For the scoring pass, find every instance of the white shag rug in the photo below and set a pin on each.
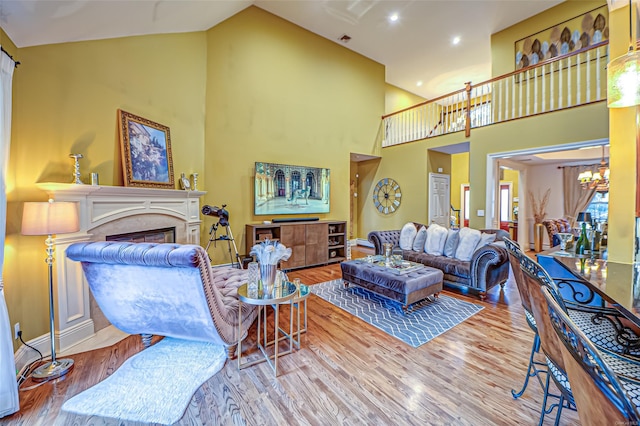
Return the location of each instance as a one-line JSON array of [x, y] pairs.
[[153, 386]]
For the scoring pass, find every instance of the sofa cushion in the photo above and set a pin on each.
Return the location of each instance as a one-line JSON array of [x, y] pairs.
[[407, 235], [451, 244], [449, 266], [485, 239], [420, 240], [436, 237], [469, 239]]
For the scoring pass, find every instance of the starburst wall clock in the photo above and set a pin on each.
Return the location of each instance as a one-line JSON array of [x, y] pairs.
[[387, 196]]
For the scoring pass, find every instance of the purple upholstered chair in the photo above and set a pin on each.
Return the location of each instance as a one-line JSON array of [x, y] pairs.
[[165, 289]]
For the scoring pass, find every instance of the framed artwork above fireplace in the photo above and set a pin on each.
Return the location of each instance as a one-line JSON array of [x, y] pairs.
[[146, 152]]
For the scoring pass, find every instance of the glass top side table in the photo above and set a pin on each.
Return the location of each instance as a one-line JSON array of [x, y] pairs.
[[282, 293], [299, 301]]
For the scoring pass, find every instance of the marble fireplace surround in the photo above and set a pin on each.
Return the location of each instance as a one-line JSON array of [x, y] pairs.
[[105, 211]]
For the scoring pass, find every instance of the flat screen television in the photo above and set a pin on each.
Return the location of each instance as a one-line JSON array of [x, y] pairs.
[[287, 189]]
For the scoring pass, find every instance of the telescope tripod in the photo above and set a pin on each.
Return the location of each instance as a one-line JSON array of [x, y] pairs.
[[228, 237]]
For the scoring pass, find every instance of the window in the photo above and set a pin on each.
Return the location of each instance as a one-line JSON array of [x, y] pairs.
[[599, 207]]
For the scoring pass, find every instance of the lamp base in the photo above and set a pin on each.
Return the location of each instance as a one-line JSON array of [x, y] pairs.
[[52, 370]]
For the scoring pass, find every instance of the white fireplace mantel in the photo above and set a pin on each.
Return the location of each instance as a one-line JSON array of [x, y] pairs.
[[104, 210]]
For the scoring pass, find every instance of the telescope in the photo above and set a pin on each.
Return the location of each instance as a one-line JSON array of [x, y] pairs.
[[219, 212]]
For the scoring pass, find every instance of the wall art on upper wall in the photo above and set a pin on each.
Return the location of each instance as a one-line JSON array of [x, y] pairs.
[[146, 152], [566, 37]]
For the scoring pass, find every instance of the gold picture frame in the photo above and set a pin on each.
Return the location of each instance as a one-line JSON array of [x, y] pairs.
[[146, 152]]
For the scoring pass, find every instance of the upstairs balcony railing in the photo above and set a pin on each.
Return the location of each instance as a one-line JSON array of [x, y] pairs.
[[567, 81]]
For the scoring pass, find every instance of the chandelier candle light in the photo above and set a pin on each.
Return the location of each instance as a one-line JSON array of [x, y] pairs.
[[268, 254], [598, 180]]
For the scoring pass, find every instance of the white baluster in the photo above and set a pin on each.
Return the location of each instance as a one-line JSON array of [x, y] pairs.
[[559, 84], [520, 94], [535, 90], [588, 77], [544, 88], [569, 89], [552, 85], [598, 82]]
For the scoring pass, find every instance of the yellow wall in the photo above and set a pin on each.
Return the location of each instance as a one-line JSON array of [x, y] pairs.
[[396, 99], [459, 176], [65, 101], [278, 93], [622, 157], [7, 44]]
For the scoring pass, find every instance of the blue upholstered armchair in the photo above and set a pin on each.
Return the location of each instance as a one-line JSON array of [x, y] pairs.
[[165, 289]]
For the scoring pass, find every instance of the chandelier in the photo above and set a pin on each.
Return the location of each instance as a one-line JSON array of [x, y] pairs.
[[598, 180]]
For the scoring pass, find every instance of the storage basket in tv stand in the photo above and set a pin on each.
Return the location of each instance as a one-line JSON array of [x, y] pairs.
[[311, 243]]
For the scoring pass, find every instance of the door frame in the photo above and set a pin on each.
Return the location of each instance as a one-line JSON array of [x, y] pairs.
[[493, 179]]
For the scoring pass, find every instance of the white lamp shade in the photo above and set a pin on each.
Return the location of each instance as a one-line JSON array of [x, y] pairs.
[[623, 81], [49, 218]]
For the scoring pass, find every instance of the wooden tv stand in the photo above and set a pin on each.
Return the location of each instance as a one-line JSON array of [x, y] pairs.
[[311, 243]]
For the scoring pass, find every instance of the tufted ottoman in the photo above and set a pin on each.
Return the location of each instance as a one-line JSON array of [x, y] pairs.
[[406, 288]]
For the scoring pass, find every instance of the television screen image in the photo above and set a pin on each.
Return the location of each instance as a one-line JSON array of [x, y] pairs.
[[287, 189]]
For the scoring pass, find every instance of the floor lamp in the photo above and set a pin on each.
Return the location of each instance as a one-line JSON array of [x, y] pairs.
[[50, 218]]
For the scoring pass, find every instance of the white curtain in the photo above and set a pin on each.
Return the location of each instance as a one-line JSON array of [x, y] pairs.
[[8, 386], [576, 199]]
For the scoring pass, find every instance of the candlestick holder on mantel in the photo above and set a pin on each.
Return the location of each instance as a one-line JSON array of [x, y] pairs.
[[194, 176], [76, 171]]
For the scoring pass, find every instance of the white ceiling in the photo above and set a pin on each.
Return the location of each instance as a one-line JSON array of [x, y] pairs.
[[418, 46]]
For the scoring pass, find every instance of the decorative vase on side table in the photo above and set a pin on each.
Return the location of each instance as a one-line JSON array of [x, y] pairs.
[[538, 235]]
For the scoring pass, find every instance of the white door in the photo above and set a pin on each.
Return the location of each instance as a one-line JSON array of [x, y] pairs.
[[439, 199]]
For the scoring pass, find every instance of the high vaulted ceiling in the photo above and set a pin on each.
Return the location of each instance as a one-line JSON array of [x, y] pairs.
[[416, 47]]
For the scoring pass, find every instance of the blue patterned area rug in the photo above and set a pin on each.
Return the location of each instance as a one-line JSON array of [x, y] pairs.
[[153, 386], [427, 320]]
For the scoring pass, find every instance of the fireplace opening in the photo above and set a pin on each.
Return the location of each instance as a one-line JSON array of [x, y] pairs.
[[164, 235]]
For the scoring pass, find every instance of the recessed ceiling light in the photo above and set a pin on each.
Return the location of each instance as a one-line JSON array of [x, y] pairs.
[[393, 17], [419, 83], [455, 40]]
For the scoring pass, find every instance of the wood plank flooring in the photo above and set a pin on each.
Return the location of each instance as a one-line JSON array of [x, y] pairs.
[[346, 373]]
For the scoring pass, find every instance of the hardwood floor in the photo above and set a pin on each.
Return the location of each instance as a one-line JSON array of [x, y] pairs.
[[347, 372]]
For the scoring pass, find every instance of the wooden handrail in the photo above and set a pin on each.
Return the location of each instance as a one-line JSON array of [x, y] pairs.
[[423, 103], [501, 77]]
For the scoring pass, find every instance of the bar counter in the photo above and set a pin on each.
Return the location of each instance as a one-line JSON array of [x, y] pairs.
[[617, 283]]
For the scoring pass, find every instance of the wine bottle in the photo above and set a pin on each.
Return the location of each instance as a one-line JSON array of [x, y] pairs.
[[582, 245]]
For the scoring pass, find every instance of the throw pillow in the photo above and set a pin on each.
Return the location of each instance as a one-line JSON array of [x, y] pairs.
[[485, 239], [451, 244], [436, 237], [420, 240], [407, 235], [469, 239]]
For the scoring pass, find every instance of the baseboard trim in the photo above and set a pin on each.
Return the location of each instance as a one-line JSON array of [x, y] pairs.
[[68, 338]]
